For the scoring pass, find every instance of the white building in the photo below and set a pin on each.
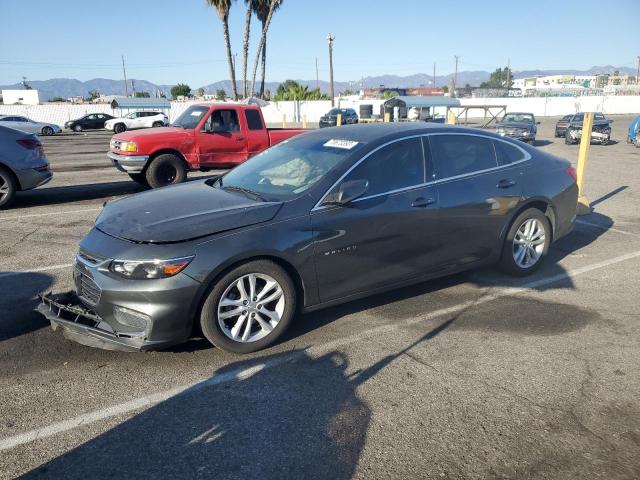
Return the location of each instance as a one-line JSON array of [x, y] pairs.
[[20, 97]]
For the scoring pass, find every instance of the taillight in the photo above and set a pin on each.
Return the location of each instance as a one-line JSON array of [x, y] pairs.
[[29, 143], [572, 173]]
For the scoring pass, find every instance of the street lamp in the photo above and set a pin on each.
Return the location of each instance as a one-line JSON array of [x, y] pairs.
[[330, 39]]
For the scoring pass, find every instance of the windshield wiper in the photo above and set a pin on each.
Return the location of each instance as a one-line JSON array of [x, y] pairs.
[[246, 191]]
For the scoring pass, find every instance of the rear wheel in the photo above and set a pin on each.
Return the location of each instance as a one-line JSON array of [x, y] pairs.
[[119, 128], [166, 169], [8, 188], [77, 128], [526, 243], [139, 178], [47, 131], [249, 308]]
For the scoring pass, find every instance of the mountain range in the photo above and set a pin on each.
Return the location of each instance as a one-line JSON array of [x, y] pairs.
[[68, 87]]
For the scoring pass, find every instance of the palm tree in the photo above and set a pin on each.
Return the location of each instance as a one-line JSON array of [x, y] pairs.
[[264, 11], [222, 8], [251, 7]]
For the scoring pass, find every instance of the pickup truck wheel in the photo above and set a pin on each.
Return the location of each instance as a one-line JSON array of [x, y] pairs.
[[119, 128], [7, 187], [166, 169], [139, 178]]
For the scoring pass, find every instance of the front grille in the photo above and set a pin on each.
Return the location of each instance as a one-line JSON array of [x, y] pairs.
[[86, 289], [601, 129]]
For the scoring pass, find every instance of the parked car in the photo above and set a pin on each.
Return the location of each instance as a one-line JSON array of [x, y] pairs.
[[23, 164], [137, 120], [518, 125], [203, 137], [561, 126], [326, 217], [633, 134], [600, 132], [330, 119], [93, 121], [30, 126]]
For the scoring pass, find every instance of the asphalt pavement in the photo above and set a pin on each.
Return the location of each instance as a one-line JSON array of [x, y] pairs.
[[478, 375]]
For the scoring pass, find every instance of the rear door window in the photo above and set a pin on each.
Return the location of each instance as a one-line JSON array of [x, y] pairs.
[[507, 153], [460, 154], [253, 120]]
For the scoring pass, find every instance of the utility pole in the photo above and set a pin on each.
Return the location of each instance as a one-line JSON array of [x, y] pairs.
[[330, 39], [508, 75], [434, 75], [455, 76], [638, 74], [126, 88], [318, 78]]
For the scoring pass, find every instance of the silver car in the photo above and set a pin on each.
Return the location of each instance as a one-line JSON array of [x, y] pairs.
[[27, 125], [23, 165]]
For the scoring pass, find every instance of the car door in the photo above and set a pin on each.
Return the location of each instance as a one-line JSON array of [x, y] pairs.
[[221, 140], [386, 235], [477, 196], [89, 122]]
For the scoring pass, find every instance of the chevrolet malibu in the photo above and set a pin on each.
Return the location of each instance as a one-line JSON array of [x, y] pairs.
[[322, 218]]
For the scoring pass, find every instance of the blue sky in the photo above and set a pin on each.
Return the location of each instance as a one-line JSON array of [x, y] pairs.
[[169, 41]]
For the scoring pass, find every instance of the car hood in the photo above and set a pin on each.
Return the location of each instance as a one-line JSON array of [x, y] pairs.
[[182, 212], [514, 125], [167, 134]]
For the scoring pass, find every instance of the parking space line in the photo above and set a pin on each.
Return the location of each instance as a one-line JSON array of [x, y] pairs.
[[48, 214], [153, 399], [36, 270], [605, 228]]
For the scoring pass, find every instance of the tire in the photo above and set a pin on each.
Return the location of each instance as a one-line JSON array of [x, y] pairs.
[[567, 138], [511, 261], [8, 188], [157, 124], [166, 169], [119, 128], [139, 178], [47, 131], [77, 128], [220, 331]]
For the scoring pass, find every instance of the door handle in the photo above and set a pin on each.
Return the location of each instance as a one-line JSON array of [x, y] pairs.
[[422, 202], [240, 139], [506, 183]]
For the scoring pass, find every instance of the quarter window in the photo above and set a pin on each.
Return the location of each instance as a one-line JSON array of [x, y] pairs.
[[461, 154], [253, 120], [507, 153], [395, 166]]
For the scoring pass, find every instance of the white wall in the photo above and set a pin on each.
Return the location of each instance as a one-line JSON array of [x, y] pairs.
[[26, 97], [294, 111]]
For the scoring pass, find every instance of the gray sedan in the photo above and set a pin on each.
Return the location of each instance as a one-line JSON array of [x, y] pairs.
[[23, 165], [27, 125]]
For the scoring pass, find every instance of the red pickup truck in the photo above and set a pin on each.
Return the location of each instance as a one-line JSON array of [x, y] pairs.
[[204, 137]]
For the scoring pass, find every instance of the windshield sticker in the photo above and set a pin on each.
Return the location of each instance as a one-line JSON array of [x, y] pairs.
[[345, 144], [197, 113]]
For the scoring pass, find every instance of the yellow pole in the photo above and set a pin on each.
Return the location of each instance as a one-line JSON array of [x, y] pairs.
[[387, 117], [284, 120], [451, 117], [339, 120], [304, 121], [583, 154]]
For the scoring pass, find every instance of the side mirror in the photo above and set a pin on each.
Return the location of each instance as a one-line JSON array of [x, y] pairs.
[[537, 123], [348, 192]]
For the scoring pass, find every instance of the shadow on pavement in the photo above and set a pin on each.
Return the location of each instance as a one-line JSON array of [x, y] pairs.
[[265, 418], [12, 302]]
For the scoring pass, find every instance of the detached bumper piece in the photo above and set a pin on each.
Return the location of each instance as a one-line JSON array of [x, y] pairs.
[[84, 326]]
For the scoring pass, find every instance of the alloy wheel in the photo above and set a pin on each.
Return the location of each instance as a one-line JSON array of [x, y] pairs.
[[528, 243], [4, 187], [251, 307]]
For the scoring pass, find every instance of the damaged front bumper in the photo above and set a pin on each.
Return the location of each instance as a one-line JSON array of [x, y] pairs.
[[84, 326]]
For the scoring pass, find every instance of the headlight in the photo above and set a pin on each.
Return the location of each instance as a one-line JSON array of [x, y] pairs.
[[128, 147], [139, 270]]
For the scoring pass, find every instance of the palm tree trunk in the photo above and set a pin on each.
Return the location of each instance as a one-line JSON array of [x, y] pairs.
[[263, 66], [245, 48], [232, 70], [263, 39]]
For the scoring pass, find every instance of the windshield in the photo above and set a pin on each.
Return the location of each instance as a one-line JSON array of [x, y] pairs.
[[334, 111], [518, 117], [190, 117], [131, 115], [290, 168]]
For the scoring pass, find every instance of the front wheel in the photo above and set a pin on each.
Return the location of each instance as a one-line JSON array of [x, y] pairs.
[[249, 308], [526, 243], [119, 128], [47, 131], [166, 169]]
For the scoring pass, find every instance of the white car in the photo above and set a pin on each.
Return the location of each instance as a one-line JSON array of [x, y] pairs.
[[30, 126], [137, 120]]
